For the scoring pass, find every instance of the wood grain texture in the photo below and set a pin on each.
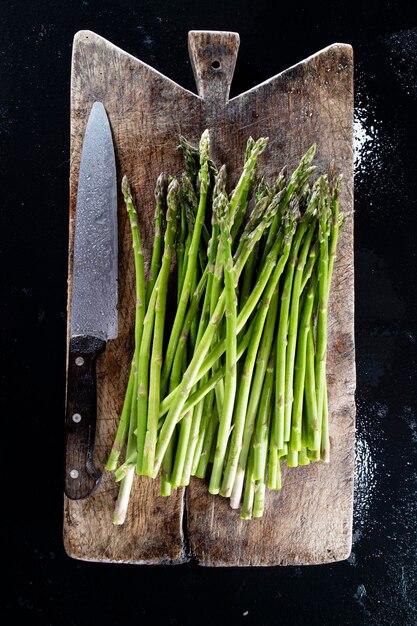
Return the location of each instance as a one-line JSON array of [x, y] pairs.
[[310, 520]]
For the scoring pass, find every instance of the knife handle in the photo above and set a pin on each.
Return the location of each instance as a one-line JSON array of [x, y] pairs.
[[81, 477]]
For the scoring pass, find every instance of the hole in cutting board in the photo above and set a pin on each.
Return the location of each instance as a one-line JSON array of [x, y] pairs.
[[215, 65]]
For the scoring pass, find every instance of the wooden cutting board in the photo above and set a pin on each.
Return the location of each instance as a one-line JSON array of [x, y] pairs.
[[310, 520]]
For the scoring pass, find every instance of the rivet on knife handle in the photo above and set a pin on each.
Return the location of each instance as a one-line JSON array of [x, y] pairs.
[[81, 477]]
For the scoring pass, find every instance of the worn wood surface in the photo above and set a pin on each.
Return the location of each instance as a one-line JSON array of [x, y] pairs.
[[310, 520]]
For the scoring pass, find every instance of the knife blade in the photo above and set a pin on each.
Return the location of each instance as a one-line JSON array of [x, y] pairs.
[[94, 298]]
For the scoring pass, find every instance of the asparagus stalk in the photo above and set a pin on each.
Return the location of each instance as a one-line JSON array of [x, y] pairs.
[[181, 250], [323, 295], [205, 419], [143, 378], [255, 398], [231, 344], [160, 200], [210, 436], [189, 208], [166, 470], [337, 221], [292, 458], [313, 430], [294, 320], [123, 426], [309, 266], [274, 467], [176, 369], [139, 304], [281, 426], [191, 262], [259, 498], [184, 434], [248, 277], [300, 370], [158, 336], [325, 439], [194, 321], [122, 501], [197, 415], [260, 440], [249, 490], [302, 457]]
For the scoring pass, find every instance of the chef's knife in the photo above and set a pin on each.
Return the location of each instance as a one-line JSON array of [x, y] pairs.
[[94, 298]]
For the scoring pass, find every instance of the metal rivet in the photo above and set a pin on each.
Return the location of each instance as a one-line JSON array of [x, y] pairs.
[[76, 418], [74, 473], [79, 360]]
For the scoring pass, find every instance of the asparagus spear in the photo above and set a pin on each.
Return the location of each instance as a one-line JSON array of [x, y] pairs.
[[294, 319], [209, 438], [255, 401], [179, 460], [282, 421], [274, 467], [160, 200], [313, 430], [337, 221], [128, 419], [141, 397], [122, 501], [323, 295], [249, 490], [300, 370], [259, 498], [191, 262], [260, 440], [158, 335], [123, 426], [230, 374], [205, 419]]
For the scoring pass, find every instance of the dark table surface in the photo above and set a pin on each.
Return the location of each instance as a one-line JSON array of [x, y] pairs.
[[378, 584]]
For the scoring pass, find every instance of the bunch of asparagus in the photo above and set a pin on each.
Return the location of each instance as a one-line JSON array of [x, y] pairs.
[[235, 383]]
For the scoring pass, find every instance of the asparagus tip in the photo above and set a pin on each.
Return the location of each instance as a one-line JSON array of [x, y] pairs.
[[204, 146], [125, 187]]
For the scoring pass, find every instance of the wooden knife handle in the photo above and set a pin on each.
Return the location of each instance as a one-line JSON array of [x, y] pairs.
[[81, 477]]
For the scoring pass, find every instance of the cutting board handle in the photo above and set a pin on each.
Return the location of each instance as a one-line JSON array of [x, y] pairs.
[[213, 56]]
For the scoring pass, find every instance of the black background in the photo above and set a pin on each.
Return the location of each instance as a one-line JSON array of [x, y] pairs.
[[378, 584]]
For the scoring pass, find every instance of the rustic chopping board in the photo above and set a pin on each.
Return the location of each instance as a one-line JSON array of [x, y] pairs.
[[310, 520]]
